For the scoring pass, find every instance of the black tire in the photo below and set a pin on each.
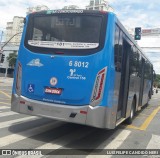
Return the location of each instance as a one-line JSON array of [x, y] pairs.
[[132, 113]]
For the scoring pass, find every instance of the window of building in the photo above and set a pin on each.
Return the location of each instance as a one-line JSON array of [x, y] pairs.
[[96, 2], [92, 3]]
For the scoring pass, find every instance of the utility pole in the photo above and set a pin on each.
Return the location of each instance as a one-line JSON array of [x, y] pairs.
[[1, 50], [9, 40], [1, 37], [1, 47]]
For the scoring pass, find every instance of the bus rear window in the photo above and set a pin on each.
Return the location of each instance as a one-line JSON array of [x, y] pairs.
[[64, 32]]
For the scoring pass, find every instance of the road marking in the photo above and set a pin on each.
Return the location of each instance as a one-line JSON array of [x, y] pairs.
[[154, 142], [4, 107], [5, 85], [7, 113], [10, 90], [5, 99], [146, 123], [116, 141], [133, 127], [13, 138], [17, 121], [5, 94], [143, 114], [66, 139], [149, 119], [5, 103]]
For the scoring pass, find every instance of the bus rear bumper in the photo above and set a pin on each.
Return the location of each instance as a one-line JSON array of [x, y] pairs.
[[85, 115]]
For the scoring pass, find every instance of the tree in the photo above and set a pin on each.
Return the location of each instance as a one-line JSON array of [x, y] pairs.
[[157, 81], [12, 59]]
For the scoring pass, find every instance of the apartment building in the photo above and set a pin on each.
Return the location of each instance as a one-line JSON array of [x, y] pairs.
[[99, 5], [36, 9], [14, 28]]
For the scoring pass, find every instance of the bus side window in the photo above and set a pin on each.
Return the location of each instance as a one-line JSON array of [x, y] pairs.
[[120, 53], [139, 65], [118, 66], [147, 70], [134, 62], [118, 49], [116, 45]]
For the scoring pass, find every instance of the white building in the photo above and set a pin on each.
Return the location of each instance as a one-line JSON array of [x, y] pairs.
[[8, 49], [14, 27], [36, 9], [99, 5], [151, 32], [71, 7]]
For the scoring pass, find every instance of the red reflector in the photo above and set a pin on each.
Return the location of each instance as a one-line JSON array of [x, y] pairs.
[[102, 71], [22, 102], [100, 87], [83, 112]]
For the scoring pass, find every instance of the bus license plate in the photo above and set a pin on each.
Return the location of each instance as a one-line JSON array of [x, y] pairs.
[[53, 90]]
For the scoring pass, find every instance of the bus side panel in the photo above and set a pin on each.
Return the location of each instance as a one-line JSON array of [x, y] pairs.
[[146, 89], [133, 91], [20, 55], [15, 102], [105, 116], [111, 109]]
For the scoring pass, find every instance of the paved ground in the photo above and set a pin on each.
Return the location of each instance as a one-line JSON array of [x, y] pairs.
[[6, 80], [18, 131]]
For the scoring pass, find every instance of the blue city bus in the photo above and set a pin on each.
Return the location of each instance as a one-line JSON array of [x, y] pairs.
[[80, 66]]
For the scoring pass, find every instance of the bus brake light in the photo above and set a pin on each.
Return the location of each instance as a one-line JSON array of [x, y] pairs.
[[98, 87]]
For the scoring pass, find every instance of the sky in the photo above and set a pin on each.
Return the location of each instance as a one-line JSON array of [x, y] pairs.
[[132, 13]]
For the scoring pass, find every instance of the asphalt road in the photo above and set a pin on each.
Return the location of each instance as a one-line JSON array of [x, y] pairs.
[[18, 131]]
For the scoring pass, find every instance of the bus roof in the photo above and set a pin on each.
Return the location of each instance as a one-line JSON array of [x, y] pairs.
[[83, 11], [70, 11]]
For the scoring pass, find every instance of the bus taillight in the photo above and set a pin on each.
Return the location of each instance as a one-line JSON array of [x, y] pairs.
[[18, 79], [97, 93]]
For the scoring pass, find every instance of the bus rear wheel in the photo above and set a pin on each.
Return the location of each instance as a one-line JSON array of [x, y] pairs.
[[132, 113]]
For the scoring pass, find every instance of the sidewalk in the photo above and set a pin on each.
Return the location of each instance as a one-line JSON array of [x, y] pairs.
[[6, 80]]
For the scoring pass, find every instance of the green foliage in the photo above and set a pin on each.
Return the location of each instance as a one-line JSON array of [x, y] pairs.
[[157, 81], [12, 59]]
